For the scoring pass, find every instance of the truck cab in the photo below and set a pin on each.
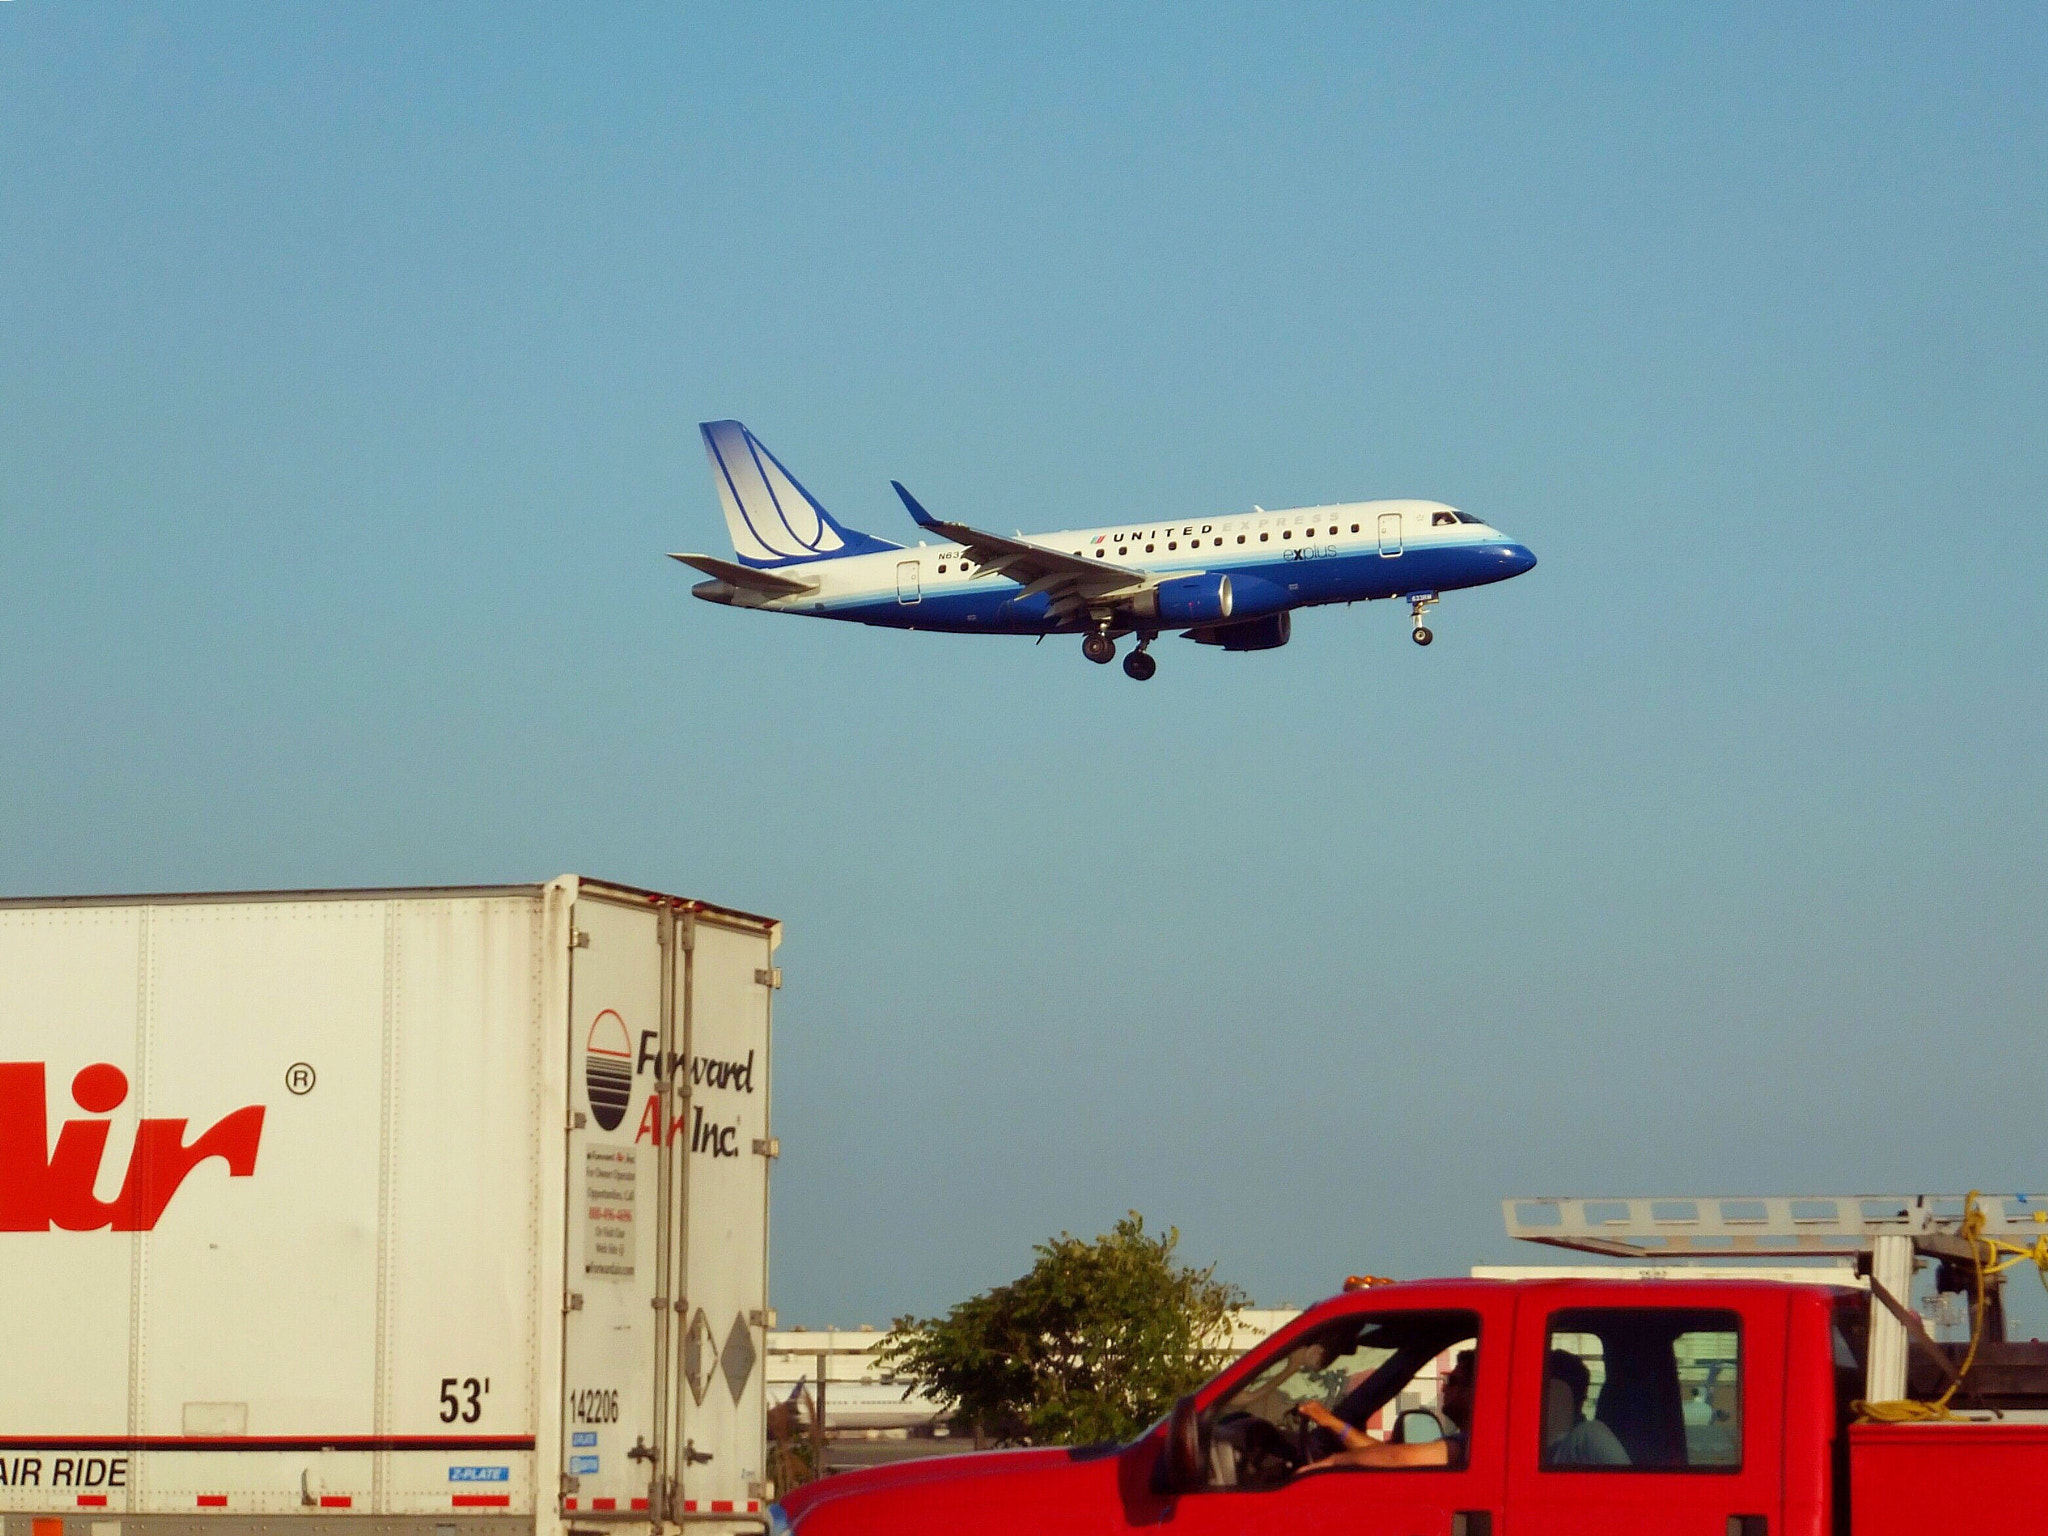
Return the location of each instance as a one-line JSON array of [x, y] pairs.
[[1593, 1406]]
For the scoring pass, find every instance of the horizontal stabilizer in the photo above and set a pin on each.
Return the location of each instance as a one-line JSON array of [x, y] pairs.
[[746, 577]]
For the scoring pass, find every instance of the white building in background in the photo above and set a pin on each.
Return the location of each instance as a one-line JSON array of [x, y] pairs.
[[861, 1397]]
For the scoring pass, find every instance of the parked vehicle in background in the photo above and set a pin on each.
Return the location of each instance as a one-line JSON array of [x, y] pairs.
[[416, 1209]]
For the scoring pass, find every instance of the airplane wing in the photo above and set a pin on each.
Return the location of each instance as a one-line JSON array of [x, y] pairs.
[[746, 578], [1072, 581]]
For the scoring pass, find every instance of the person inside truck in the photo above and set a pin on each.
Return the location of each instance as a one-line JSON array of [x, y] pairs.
[[1570, 1439], [1362, 1450], [1306, 1405]]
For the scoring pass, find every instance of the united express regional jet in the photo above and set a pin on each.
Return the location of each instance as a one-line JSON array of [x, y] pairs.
[[1231, 581]]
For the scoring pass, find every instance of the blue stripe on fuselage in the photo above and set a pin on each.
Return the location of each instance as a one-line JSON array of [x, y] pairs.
[[1311, 575]]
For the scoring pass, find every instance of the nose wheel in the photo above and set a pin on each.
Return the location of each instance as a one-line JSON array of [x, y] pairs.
[[1099, 648], [1419, 604]]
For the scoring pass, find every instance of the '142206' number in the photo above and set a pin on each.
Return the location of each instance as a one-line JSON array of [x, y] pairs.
[[594, 1407], [463, 1399]]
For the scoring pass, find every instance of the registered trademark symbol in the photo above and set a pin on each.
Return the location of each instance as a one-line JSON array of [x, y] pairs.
[[298, 1077]]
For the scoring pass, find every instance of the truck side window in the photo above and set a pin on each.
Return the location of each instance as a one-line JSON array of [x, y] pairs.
[[1647, 1389], [1371, 1392]]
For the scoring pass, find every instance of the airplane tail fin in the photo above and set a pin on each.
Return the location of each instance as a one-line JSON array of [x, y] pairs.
[[773, 519]]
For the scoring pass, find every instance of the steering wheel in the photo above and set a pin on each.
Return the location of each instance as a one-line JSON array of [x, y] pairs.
[[1266, 1455], [1312, 1441]]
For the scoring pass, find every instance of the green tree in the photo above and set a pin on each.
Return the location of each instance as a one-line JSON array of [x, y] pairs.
[[1092, 1344]]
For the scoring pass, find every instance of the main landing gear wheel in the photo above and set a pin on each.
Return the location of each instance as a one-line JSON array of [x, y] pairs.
[[1422, 635], [1140, 665], [1100, 649]]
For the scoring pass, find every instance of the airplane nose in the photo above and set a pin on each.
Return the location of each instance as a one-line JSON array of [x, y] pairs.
[[1517, 557]]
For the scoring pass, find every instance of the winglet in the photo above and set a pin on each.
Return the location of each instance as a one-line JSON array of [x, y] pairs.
[[923, 518]]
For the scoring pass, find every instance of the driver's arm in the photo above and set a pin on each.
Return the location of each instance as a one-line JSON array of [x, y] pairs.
[[1434, 1453], [1351, 1435]]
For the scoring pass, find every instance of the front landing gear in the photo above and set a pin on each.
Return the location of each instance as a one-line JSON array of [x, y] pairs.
[[1099, 648], [1418, 604]]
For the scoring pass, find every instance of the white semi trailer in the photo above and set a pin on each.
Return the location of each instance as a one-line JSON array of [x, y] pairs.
[[410, 1210]]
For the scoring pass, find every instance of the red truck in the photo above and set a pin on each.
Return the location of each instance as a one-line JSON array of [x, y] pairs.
[[1575, 1407]]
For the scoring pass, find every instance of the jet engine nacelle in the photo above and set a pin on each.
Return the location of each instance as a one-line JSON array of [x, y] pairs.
[[1266, 634], [1205, 599]]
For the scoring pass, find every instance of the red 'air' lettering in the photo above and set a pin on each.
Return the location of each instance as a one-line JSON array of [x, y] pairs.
[[40, 1188]]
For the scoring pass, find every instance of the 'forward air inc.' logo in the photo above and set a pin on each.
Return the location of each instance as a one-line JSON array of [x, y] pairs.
[[608, 1069], [41, 1189]]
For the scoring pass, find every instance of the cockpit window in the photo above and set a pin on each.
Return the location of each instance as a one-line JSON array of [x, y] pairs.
[[1442, 519], [1467, 517]]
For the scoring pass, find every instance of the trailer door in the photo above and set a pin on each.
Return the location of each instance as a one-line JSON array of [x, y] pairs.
[[725, 1149], [614, 1319]]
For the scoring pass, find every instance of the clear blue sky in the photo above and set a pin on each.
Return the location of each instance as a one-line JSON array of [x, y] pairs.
[[350, 361]]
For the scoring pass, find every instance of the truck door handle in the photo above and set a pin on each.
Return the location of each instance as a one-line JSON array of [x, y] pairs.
[[1472, 1522], [1749, 1525]]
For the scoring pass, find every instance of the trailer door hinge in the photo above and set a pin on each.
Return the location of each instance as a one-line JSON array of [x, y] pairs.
[[572, 1301], [761, 1317], [579, 938], [769, 976], [659, 1303], [576, 1120], [767, 1146]]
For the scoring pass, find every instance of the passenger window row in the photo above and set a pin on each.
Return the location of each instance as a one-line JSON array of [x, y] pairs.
[[1124, 550]]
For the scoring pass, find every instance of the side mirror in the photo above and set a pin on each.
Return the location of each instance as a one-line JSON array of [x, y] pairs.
[[1416, 1426], [1183, 1468]]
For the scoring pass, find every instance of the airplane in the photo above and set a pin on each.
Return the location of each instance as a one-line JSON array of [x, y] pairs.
[[1231, 580]]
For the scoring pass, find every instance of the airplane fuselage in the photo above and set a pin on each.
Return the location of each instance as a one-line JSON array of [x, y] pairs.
[[1276, 561]]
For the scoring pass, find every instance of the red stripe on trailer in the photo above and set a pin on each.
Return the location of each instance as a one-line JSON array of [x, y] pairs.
[[721, 1506], [482, 1500], [753, 1506], [213, 1501], [337, 1500], [568, 1503], [639, 1503], [689, 1506], [92, 1501], [604, 1503], [267, 1443]]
